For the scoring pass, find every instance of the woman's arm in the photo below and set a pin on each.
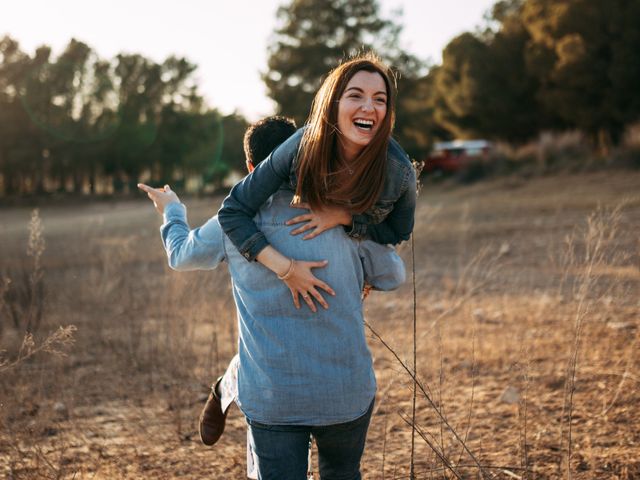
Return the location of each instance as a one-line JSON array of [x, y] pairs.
[[397, 226], [398, 221], [247, 196], [236, 218]]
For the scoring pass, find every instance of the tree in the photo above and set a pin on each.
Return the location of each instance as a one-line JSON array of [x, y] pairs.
[[13, 122], [66, 121], [585, 54], [27, 91], [484, 88]]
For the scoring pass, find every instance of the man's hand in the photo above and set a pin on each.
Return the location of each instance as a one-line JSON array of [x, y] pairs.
[[161, 197], [319, 220]]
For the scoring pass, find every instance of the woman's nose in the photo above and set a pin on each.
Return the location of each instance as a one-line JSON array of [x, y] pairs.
[[367, 105]]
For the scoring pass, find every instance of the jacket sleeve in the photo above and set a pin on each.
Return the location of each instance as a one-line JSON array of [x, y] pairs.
[[247, 196], [199, 249], [398, 225]]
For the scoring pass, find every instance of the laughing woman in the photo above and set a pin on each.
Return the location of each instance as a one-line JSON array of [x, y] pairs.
[[343, 166]]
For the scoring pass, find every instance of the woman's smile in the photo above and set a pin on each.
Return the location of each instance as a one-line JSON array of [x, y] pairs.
[[361, 109]]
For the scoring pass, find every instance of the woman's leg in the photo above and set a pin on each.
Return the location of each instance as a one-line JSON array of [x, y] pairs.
[[282, 450]]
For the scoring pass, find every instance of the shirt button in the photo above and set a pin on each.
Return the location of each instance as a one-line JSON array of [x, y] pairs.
[[246, 255]]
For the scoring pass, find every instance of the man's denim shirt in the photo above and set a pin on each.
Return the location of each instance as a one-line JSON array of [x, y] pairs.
[[296, 367], [389, 221]]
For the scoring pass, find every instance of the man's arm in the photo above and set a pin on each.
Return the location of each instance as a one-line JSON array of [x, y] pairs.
[[198, 249], [383, 267]]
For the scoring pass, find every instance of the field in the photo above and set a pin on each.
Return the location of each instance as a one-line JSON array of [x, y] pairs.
[[528, 327]]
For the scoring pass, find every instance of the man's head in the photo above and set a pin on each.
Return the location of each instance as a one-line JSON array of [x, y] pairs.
[[264, 136]]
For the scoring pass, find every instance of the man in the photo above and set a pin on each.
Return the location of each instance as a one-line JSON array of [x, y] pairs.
[[300, 372]]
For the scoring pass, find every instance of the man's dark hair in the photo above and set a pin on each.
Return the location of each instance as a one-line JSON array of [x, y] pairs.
[[262, 137]]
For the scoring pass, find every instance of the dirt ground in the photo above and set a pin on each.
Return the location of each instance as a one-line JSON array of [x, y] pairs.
[[527, 332]]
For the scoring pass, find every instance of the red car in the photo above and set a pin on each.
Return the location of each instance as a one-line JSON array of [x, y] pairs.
[[450, 157]]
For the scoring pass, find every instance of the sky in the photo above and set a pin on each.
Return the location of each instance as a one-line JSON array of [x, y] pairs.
[[227, 39]]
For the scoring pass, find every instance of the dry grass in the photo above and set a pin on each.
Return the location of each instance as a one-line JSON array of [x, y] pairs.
[[527, 320]]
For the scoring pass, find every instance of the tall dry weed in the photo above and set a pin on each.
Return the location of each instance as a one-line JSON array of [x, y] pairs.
[[23, 367], [23, 291], [589, 252]]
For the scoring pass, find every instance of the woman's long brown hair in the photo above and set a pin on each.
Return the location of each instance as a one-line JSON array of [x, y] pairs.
[[321, 169]]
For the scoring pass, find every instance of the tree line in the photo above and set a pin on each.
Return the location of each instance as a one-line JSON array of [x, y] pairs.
[[533, 66], [77, 121], [543, 65]]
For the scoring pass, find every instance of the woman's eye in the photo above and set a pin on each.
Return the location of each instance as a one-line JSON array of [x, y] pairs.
[[381, 101]]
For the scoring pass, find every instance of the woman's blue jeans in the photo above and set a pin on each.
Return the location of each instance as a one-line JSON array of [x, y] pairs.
[[282, 450]]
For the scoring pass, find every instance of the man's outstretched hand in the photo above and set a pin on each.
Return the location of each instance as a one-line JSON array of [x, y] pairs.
[[161, 197]]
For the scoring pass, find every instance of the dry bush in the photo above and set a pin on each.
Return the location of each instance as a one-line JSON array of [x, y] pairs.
[[627, 155], [553, 152]]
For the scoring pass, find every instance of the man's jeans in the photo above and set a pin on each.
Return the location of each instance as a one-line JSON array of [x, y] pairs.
[[282, 450]]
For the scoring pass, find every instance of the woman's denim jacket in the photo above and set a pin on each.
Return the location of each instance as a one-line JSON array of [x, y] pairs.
[[389, 221]]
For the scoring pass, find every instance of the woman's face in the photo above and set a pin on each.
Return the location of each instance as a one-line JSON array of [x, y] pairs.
[[361, 110]]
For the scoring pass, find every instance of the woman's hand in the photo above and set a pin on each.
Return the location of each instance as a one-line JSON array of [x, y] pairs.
[[302, 281], [297, 275], [319, 220], [161, 197]]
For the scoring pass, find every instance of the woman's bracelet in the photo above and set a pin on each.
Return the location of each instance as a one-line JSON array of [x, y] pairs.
[[289, 271]]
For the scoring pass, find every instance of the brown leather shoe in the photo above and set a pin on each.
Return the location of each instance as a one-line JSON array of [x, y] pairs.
[[212, 420]]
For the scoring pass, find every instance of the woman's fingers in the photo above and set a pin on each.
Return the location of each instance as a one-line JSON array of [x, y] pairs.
[[319, 298], [299, 219], [305, 283], [309, 301], [318, 264], [317, 283], [317, 231], [304, 228], [296, 300], [325, 287]]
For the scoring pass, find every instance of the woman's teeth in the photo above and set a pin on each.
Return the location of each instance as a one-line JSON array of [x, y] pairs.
[[366, 124]]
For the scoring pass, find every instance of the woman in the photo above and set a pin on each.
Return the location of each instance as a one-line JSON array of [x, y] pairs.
[[343, 165]]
